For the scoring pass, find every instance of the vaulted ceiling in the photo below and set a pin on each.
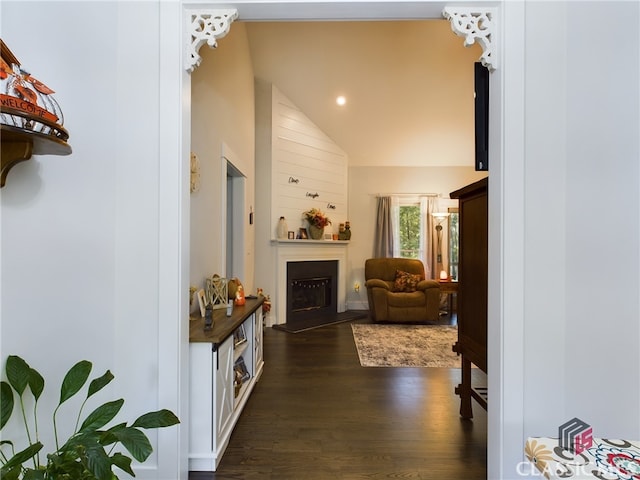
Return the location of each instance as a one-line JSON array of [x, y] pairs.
[[408, 86]]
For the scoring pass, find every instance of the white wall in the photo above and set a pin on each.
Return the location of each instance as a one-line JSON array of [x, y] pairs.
[[581, 208], [222, 113], [81, 245]]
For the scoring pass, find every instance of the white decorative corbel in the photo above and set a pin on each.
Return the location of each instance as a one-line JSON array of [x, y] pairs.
[[206, 26], [475, 25]]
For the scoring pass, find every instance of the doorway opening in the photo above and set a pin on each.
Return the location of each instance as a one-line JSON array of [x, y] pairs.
[[234, 236]]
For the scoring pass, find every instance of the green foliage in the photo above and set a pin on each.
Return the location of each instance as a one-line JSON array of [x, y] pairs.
[[84, 455], [409, 231]]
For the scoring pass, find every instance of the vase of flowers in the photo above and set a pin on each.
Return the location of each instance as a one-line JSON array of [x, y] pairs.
[[317, 221]]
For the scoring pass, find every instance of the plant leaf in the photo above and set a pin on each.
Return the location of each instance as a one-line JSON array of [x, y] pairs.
[[74, 380], [98, 384], [98, 462], [108, 437], [159, 419], [123, 463], [135, 442], [66, 464], [12, 474], [6, 403], [36, 383], [101, 415], [21, 457], [31, 474], [17, 373]]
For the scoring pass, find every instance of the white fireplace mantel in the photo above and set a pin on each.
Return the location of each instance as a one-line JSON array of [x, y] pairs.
[[307, 251]]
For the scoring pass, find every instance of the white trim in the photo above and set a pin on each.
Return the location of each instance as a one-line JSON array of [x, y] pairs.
[[506, 250], [307, 252], [205, 26], [357, 305], [173, 243], [475, 25], [506, 276]]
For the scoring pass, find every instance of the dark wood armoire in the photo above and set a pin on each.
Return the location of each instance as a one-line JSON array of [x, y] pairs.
[[472, 290]]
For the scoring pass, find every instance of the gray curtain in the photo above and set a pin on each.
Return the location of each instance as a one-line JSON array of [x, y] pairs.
[[383, 242]]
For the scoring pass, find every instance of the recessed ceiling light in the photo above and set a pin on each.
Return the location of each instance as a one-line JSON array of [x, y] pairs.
[[341, 100]]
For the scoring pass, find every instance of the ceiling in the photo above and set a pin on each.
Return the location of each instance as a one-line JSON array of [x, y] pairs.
[[408, 85]]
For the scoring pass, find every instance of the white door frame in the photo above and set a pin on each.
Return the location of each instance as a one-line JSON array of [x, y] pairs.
[[506, 205]]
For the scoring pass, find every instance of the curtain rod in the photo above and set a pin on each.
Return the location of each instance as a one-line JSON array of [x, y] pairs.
[[406, 194]]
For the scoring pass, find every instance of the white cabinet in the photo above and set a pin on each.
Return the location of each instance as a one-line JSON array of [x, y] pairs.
[[222, 386], [258, 353], [225, 364]]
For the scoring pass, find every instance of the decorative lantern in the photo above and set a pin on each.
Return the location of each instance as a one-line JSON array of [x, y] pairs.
[[216, 292]]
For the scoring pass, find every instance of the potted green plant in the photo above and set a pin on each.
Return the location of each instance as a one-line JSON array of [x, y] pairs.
[[90, 452]]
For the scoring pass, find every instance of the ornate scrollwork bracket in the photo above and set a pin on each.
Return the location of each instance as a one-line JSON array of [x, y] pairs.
[[206, 26], [475, 26]]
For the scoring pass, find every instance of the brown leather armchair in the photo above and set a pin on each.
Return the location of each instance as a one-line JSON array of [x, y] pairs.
[[388, 304]]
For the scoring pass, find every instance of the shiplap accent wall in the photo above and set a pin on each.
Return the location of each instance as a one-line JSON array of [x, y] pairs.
[[289, 146], [308, 168]]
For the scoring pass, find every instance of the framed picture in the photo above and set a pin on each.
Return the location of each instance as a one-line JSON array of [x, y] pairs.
[[291, 235], [201, 302], [240, 368], [303, 233], [239, 336], [328, 236]]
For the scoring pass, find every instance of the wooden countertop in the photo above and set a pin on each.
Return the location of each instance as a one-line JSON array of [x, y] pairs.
[[223, 326]]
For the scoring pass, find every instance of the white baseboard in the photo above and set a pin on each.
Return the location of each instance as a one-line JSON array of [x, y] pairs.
[[357, 305]]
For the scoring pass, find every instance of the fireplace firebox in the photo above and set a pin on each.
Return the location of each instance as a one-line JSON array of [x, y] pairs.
[[312, 289]]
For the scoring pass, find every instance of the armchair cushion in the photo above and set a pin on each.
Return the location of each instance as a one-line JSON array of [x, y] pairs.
[[406, 282]]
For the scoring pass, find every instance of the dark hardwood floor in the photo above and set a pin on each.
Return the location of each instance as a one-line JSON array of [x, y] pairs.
[[316, 414]]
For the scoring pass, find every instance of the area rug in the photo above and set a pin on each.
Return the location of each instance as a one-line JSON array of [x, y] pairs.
[[382, 345]]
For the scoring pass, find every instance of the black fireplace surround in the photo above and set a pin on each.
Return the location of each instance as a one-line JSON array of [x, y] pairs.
[[312, 289]]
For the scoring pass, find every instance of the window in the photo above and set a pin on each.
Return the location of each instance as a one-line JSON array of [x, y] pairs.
[[409, 231], [411, 238], [453, 243]]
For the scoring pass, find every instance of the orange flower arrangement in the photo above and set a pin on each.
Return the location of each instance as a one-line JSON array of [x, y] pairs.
[[316, 218]]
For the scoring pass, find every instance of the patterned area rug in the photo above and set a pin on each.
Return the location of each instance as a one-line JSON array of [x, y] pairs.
[[382, 345]]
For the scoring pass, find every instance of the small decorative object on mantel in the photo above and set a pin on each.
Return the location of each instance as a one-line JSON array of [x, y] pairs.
[[345, 231], [30, 118], [282, 228], [316, 233], [317, 221]]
